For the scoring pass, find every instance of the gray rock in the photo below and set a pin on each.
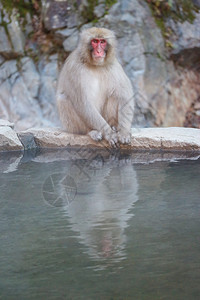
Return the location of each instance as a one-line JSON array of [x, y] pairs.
[[73, 20], [6, 16], [56, 13], [136, 8], [2, 59], [127, 5], [5, 46], [9, 140], [187, 35], [5, 100], [27, 140], [127, 18], [8, 75], [6, 123], [47, 98], [196, 2], [27, 98], [28, 25], [48, 66], [49, 74], [17, 104], [9, 71], [99, 10], [24, 110], [30, 76], [66, 32], [16, 35], [71, 42]]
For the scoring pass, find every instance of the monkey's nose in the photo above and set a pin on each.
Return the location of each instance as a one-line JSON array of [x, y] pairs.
[[99, 48]]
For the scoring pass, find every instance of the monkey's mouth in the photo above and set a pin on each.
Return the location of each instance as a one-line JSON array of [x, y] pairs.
[[98, 57]]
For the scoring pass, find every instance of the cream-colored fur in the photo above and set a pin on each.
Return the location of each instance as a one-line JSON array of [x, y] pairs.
[[95, 97]]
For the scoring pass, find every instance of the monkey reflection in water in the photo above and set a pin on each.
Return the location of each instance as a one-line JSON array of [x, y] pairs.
[[102, 206], [94, 95]]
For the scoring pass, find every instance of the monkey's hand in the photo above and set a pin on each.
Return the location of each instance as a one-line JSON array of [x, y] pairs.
[[95, 135], [112, 138], [124, 137]]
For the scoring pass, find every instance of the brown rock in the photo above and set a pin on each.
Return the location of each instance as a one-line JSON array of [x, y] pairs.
[[9, 140]]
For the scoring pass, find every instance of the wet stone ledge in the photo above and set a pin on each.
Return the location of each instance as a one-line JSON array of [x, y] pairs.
[[169, 139]]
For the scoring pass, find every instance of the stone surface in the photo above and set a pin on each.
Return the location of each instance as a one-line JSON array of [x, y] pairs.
[[48, 70], [56, 138], [16, 35], [30, 76], [9, 140], [5, 46], [71, 42], [27, 97], [99, 10], [196, 2], [167, 139], [2, 59], [6, 123], [66, 32], [173, 138], [182, 139], [56, 13], [187, 35], [27, 140]]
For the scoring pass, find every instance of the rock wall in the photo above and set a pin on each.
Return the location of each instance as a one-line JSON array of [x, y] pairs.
[[36, 37]]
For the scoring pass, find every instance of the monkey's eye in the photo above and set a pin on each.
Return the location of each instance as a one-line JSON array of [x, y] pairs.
[[102, 41], [95, 41]]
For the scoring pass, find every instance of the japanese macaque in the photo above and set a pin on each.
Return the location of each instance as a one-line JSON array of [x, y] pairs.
[[94, 95]]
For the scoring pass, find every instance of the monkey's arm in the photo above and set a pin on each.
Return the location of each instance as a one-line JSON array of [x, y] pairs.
[[125, 113], [125, 117], [81, 94], [87, 111], [77, 86], [98, 125], [124, 94]]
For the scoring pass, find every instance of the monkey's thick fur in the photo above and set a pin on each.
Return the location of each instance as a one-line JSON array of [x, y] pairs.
[[95, 97]]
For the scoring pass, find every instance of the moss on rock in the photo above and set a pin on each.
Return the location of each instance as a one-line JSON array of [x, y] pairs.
[[178, 10], [89, 14], [21, 6]]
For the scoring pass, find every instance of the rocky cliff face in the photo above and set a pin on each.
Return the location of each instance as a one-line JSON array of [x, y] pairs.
[[36, 37]]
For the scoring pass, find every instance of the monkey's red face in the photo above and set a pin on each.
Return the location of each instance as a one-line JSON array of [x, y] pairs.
[[98, 48]]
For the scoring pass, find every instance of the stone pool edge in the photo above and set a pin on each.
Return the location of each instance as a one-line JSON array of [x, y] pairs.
[[166, 139]]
